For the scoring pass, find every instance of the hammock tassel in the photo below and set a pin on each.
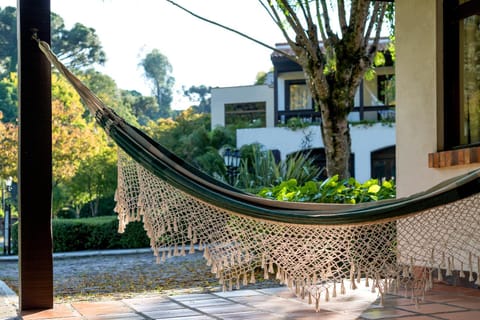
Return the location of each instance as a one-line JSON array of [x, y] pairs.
[[478, 272], [327, 295], [317, 302], [430, 279], [206, 255], [470, 265], [440, 276], [342, 288], [334, 292], [462, 272], [373, 286], [449, 268], [252, 278], [237, 285], [192, 248], [270, 267], [195, 240]]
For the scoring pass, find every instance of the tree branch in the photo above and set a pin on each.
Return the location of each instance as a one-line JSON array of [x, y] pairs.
[[319, 22], [372, 22], [342, 15], [358, 17], [272, 12], [326, 19], [376, 40]]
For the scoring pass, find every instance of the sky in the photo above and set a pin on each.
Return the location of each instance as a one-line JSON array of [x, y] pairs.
[[200, 53]]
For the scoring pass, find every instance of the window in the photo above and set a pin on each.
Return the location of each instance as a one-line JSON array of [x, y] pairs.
[[383, 163], [297, 96], [386, 89], [462, 73], [246, 114]]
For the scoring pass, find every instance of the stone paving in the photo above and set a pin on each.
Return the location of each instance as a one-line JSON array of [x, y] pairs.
[[269, 303], [116, 274], [263, 301]]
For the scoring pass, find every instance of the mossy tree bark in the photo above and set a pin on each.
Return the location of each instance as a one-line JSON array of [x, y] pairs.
[[333, 63]]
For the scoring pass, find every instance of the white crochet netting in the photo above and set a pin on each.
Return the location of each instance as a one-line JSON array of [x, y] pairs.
[[313, 260]]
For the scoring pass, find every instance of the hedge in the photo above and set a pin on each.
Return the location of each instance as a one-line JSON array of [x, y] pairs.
[[97, 233]]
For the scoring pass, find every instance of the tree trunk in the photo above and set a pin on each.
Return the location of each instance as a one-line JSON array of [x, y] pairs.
[[334, 97], [337, 142]]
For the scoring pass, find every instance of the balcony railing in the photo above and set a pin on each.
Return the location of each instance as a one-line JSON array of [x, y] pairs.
[[359, 113]]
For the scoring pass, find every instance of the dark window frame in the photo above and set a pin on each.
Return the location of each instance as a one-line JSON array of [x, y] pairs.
[[255, 109], [386, 157], [289, 83], [454, 13]]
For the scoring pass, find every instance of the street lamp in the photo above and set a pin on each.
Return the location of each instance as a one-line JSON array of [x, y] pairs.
[[7, 216], [231, 158]]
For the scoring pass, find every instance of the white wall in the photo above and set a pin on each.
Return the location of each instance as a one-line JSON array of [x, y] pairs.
[[419, 95], [365, 139], [242, 94], [419, 88]]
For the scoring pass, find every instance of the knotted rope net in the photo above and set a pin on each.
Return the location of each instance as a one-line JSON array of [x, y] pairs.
[[401, 246], [313, 260]]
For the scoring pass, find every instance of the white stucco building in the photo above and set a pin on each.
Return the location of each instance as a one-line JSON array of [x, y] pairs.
[[265, 111]]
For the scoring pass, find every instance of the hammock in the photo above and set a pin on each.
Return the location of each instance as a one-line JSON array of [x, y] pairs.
[[315, 249]]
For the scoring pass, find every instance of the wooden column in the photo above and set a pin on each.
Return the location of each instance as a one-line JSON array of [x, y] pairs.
[[35, 158]]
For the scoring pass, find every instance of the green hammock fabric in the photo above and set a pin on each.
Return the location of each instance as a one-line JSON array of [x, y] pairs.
[[315, 249], [177, 172]]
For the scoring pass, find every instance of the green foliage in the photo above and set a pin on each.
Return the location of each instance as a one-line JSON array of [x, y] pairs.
[[259, 169], [78, 47], [8, 36], [200, 96], [92, 234], [331, 190], [158, 71], [296, 123], [9, 98], [143, 108], [190, 138]]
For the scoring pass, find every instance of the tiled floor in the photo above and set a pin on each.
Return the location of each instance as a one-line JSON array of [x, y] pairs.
[[443, 302]]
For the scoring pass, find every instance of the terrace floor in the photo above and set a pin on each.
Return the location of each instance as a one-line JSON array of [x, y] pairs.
[[443, 302]]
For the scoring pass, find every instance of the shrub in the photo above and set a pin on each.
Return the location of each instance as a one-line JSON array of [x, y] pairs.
[[91, 234], [331, 190], [260, 169]]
